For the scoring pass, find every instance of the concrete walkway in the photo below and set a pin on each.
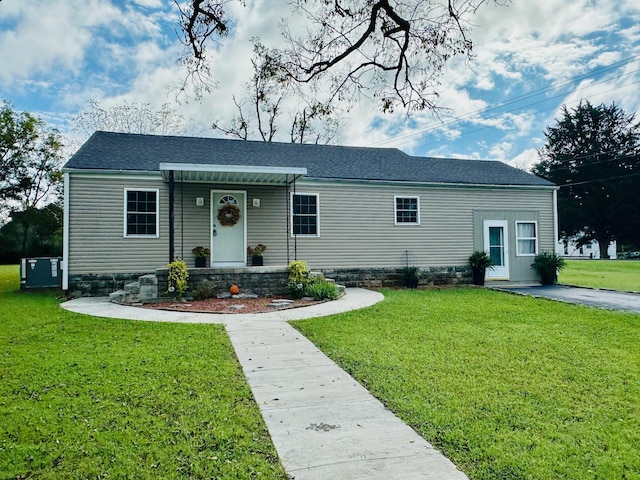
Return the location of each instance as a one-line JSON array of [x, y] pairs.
[[607, 299], [322, 422]]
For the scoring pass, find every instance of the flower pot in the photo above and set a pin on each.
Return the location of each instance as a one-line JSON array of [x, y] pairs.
[[478, 275], [201, 262], [549, 277], [257, 261], [411, 282]]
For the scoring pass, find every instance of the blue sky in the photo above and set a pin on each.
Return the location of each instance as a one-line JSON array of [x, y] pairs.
[[530, 58]]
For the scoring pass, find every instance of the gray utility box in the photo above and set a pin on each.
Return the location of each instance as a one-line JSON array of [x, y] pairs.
[[41, 272]]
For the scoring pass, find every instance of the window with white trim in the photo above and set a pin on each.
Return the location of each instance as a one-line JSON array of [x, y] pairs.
[[141, 212], [407, 210], [526, 238], [305, 214]]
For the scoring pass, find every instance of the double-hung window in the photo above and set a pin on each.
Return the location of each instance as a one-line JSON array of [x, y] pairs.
[[141, 212], [305, 214], [407, 210], [526, 238]]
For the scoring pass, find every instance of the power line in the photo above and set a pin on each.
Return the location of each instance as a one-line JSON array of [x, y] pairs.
[[595, 180], [522, 97]]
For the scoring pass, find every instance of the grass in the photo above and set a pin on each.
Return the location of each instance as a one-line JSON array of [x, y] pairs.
[[507, 387], [85, 397], [611, 274]]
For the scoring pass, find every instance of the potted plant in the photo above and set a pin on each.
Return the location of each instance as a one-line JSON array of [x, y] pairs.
[[201, 254], [547, 265], [479, 261], [411, 275], [256, 253]]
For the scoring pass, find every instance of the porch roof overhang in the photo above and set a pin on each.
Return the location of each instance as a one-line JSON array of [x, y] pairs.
[[236, 174]]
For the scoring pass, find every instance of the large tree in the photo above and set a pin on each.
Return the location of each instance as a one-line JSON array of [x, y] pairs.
[[392, 50], [30, 177], [592, 153], [261, 110], [130, 117], [30, 157]]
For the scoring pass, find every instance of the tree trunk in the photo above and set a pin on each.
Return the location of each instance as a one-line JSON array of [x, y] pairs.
[[603, 244]]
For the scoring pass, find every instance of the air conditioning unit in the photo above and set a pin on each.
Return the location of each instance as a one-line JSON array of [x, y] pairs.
[[41, 272]]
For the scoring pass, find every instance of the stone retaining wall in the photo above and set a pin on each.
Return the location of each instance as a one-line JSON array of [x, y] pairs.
[[263, 281], [392, 277], [269, 280], [99, 285]]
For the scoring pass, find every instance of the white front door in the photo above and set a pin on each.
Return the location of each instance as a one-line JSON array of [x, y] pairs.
[[228, 228], [497, 245]]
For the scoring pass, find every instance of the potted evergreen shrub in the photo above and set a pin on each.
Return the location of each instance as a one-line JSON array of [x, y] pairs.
[[411, 276], [256, 253], [201, 254], [479, 261], [547, 265]]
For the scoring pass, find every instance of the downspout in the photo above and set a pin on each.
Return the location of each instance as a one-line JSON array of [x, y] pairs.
[[65, 234], [181, 217], [171, 226], [287, 214], [295, 236], [555, 220]]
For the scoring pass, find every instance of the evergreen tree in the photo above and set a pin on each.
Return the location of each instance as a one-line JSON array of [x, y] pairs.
[[592, 154]]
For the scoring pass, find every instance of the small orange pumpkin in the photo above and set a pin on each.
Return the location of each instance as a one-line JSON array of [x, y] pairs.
[[234, 289]]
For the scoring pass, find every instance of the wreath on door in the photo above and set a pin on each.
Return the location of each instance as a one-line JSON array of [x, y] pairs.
[[228, 215]]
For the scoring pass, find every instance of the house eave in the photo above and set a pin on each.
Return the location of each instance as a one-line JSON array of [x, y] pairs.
[[410, 183]]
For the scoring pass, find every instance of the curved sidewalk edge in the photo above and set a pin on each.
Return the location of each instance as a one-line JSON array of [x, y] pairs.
[[354, 299]]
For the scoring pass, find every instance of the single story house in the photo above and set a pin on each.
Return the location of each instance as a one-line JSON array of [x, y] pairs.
[[134, 202], [570, 249]]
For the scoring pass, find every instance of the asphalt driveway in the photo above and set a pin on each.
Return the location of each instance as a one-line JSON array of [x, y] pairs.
[[608, 299]]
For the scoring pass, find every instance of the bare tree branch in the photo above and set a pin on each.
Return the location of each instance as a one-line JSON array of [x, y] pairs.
[[393, 51]]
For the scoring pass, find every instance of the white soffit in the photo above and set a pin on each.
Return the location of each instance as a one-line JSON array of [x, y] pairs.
[[238, 174]]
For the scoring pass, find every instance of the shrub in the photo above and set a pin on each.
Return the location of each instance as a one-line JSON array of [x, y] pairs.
[[480, 259], [298, 278], [548, 264], [411, 276], [321, 290], [177, 278], [204, 291]]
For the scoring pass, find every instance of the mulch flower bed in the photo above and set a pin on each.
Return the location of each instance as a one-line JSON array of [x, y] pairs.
[[233, 305]]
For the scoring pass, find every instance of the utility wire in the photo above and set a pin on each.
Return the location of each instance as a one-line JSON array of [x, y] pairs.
[[595, 180], [522, 97]]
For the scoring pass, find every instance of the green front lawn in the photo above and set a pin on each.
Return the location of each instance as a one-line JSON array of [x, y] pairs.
[[508, 387], [85, 397], [621, 275]]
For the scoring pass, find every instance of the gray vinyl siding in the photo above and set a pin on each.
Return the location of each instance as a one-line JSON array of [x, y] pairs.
[[96, 215], [357, 227], [96, 226], [356, 222]]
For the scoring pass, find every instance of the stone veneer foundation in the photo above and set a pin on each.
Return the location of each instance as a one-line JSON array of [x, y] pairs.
[[269, 280]]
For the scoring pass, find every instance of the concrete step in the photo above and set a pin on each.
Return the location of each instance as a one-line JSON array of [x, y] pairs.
[[123, 296], [133, 287], [314, 275], [148, 290], [117, 296]]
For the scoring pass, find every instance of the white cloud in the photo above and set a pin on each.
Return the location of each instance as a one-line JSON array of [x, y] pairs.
[[112, 50], [525, 159], [49, 36]]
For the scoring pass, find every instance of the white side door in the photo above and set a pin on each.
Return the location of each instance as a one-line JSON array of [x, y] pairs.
[[497, 245], [228, 228]]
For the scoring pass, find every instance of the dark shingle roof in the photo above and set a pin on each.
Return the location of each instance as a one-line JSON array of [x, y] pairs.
[[133, 152]]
